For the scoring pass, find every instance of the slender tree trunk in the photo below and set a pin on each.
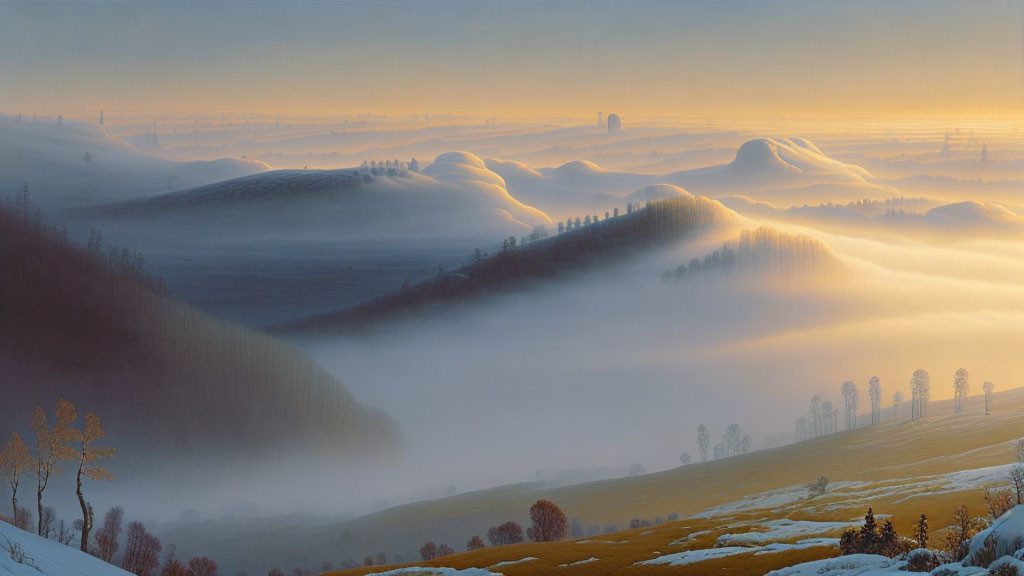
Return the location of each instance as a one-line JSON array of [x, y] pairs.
[[39, 509], [86, 521], [14, 505]]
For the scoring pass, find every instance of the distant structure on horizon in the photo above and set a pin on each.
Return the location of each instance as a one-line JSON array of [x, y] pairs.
[[614, 123]]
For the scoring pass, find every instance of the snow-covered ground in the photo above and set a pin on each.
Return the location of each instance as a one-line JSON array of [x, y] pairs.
[[691, 556], [25, 554], [578, 562], [851, 494], [512, 562], [779, 530]]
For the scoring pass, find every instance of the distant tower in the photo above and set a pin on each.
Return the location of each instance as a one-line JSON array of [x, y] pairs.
[[600, 119], [984, 153], [101, 117], [614, 123]]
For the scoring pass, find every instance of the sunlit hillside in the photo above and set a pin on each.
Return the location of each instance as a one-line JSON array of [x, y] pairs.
[[900, 468]]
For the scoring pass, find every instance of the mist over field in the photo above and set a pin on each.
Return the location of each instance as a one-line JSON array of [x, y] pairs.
[[511, 288]]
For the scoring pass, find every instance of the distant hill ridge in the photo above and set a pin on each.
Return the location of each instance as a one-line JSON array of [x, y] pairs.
[[658, 223]]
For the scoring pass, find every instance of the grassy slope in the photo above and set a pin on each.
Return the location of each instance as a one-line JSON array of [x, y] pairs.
[[874, 456], [657, 224], [156, 370]]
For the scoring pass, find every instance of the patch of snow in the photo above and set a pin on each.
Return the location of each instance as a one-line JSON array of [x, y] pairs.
[[601, 541], [799, 545], [1007, 530], [511, 562], [692, 556], [42, 556], [579, 562], [1000, 566], [852, 565], [956, 569], [783, 529]]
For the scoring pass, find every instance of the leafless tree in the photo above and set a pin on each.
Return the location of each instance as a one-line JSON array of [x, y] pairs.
[[875, 394], [961, 387], [921, 391], [849, 391], [897, 399], [990, 389], [703, 440]]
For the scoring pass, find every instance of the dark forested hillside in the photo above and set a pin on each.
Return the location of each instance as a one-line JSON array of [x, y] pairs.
[[87, 325], [599, 243]]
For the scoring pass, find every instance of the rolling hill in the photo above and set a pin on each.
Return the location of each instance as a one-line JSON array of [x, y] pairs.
[[76, 164], [742, 515], [87, 326], [659, 223], [455, 198]]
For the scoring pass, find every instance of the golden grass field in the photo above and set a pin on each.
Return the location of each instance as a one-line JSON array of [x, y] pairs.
[[893, 467]]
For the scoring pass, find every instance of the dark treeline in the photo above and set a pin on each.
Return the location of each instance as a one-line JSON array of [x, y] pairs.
[[764, 251], [77, 322], [516, 265]]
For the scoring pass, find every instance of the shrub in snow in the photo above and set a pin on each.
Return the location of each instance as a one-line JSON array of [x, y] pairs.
[[921, 560], [1003, 538], [1006, 566]]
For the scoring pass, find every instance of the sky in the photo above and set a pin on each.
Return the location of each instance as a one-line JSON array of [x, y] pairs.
[[649, 58]]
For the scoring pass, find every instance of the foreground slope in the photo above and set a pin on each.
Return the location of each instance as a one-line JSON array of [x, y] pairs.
[[899, 467], [25, 554], [163, 375]]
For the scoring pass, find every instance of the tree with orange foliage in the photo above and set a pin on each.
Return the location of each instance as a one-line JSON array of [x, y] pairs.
[[549, 523], [52, 446], [88, 454], [15, 460]]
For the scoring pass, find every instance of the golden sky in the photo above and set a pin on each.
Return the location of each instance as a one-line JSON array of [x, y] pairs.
[[643, 58]]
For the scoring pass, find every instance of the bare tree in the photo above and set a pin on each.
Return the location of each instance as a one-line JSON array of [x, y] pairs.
[[897, 399], [107, 535], [961, 387], [703, 440], [990, 389], [816, 420], [15, 460], [746, 443], [849, 390], [88, 455], [875, 394], [921, 391], [141, 551], [1017, 479], [802, 429], [52, 446], [732, 439], [829, 421]]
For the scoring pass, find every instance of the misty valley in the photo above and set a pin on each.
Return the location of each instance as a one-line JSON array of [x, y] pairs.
[[404, 289]]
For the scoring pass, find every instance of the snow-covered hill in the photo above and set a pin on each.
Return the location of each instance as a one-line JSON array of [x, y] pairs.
[[25, 554]]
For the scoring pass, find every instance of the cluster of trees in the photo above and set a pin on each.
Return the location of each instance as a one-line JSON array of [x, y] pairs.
[[660, 222], [764, 251], [63, 441], [547, 524], [577, 222], [956, 542], [390, 167], [822, 418], [734, 442]]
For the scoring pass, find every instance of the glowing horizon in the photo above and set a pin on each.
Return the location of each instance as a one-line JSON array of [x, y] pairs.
[[694, 60]]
